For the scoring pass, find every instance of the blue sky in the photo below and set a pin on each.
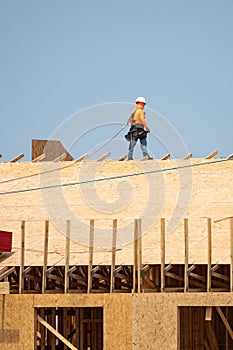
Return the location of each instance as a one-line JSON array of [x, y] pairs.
[[59, 57]]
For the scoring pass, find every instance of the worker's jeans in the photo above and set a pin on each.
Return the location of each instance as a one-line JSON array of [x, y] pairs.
[[132, 144]]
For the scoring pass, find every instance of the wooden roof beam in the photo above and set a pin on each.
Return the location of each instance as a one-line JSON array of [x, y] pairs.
[[14, 160], [80, 159], [167, 156], [123, 157], [188, 156], [39, 158], [105, 156], [60, 158], [211, 155]]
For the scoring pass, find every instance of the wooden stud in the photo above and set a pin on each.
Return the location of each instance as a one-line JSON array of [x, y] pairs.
[[60, 158], [81, 329], [208, 313], [91, 244], [231, 255], [167, 156], [67, 260], [211, 155], [135, 264], [53, 324], [230, 156], [114, 232], [186, 256], [226, 332], [188, 156], [65, 324], [77, 326], [209, 255], [211, 336], [105, 156], [46, 239], [22, 250], [226, 323], [43, 333], [58, 335], [39, 158], [162, 252], [14, 160], [123, 157], [139, 254], [80, 159]]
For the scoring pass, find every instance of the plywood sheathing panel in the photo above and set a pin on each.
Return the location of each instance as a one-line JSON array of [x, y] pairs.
[[155, 316], [17, 320], [211, 195], [51, 148], [117, 314], [131, 321]]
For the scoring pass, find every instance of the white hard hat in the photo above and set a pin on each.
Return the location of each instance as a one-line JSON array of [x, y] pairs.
[[140, 99]]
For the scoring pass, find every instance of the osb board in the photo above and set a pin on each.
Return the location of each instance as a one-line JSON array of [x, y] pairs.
[[131, 321], [196, 193], [17, 322], [117, 316], [156, 316], [4, 287], [51, 148]]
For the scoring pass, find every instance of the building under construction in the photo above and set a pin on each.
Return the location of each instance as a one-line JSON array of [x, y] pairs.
[[116, 255]]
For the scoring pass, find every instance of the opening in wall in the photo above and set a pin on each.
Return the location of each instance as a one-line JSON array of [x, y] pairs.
[[65, 328], [205, 328]]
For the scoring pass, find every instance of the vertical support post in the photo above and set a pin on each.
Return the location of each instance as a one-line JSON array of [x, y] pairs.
[[135, 251], [53, 324], [139, 229], [22, 250], [42, 332], [46, 239], [77, 310], [209, 254], [226, 332], [186, 256], [67, 262], [91, 243], [65, 325], [114, 232], [162, 252], [231, 255], [81, 329]]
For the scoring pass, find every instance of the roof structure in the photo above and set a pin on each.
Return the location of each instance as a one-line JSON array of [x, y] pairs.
[[195, 189]]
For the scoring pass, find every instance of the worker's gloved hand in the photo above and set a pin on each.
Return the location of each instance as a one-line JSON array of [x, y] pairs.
[[148, 130]]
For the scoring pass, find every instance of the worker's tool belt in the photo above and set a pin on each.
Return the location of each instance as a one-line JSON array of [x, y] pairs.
[[138, 128]]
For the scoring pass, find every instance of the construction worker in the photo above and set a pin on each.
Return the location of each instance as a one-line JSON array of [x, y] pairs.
[[138, 129]]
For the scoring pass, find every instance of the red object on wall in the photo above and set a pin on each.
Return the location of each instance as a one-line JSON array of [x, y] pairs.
[[5, 241]]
